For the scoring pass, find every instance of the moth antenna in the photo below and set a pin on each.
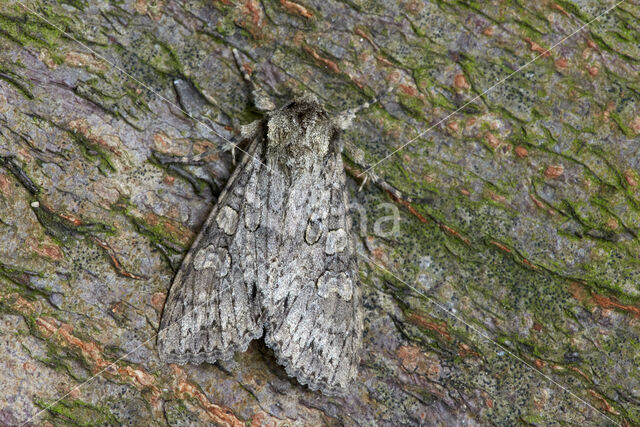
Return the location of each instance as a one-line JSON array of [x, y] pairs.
[[261, 99]]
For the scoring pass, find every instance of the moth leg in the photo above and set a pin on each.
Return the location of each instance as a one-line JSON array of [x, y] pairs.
[[356, 155], [178, 165], [198, 159], [343, 120], [365, 174], [261, 99]]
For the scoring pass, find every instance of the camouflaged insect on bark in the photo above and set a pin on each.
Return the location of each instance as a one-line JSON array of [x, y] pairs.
[[275, 258]]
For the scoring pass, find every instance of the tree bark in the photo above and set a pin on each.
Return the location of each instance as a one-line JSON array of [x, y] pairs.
[[508, 293]]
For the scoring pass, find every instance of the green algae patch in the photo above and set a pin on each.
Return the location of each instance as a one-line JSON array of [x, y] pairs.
[[29, 30], [77, 412], [172, 236]]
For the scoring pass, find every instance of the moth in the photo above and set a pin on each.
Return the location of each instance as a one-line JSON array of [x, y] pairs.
[[275, 258]]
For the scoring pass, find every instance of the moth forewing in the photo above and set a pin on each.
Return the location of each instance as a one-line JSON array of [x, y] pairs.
[[192, 328]]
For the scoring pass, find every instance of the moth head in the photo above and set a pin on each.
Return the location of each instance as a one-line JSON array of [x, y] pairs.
[[300, 130]]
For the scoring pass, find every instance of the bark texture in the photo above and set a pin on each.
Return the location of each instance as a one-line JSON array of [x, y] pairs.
[[524, 221]]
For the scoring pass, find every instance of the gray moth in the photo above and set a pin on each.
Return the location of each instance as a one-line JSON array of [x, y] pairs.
[[275, 258]]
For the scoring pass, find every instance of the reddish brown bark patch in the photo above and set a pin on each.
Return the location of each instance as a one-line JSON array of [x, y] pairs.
[[296, 9], [606, 302], [560, 9], [5, 185], [631, 177], [47, 250], [535, 47], [460, 82], [554, 171], [157, 300], [324, 61], [416, 361], [440, 328], [521, 151], [492, 140]]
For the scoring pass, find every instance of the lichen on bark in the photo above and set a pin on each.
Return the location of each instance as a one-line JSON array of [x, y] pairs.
[[524, 223]]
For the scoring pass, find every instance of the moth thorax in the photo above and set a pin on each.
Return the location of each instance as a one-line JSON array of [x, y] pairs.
[[297, 140]]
